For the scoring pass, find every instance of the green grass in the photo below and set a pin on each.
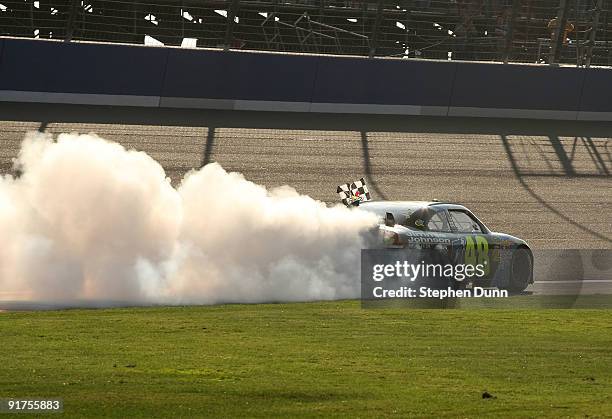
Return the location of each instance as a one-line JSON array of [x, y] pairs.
[[317, 359]]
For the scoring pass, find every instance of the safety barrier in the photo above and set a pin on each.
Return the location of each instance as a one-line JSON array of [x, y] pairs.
[[126, 75]]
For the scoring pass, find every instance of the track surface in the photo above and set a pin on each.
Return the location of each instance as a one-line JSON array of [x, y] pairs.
[[545, 181]]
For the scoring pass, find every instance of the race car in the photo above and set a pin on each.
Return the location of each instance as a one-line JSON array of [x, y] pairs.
[[453, 231]]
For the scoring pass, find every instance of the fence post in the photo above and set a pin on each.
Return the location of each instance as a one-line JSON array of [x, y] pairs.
[[229, 30], [374, 38], [558, 39], [71, 21], [510, 32], [592, 34]]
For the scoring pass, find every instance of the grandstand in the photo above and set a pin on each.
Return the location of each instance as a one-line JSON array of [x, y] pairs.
[[472, 30]]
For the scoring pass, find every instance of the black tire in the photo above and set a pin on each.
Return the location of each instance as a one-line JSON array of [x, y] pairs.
[[521, 270]]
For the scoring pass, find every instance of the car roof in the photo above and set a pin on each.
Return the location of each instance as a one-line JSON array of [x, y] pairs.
[[399, 207], [403, 205]]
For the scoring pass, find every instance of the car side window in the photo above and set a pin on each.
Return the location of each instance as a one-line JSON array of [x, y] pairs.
[[463, 222], [437, 222]]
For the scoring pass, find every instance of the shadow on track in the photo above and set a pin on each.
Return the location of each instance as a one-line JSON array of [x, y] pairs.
[[307, 121], [569, 172], [367, 167], [208, 147]]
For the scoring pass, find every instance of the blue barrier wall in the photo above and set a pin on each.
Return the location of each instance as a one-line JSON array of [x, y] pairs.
[[56, 72], [597, 91], [385, 82], [1, 48], [232, 75], [517, 86], [82, 68]]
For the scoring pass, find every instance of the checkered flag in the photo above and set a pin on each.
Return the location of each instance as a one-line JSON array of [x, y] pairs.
[[354, 193]]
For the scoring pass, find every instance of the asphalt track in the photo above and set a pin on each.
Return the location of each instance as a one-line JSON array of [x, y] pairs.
[[549, 182]]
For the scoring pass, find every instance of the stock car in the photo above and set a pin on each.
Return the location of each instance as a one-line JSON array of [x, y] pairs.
[[457, 233]]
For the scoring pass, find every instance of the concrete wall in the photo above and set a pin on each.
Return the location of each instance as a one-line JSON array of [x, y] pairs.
[[128, 75]]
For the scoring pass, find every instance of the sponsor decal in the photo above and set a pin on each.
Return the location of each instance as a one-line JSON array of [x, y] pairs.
[[426, 238]]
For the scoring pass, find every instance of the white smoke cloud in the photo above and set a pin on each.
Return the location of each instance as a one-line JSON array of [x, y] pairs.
[[89, 220]]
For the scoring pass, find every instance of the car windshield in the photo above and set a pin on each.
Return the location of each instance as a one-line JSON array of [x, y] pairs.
[[464, 222]]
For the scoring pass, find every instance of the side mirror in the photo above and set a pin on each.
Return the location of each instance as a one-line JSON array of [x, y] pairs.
[[389, 220]]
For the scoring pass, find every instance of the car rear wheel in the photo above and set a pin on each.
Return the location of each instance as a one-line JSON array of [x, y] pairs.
[[522, 268]]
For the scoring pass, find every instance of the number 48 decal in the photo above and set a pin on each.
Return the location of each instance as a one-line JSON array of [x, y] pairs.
[[477, 252]]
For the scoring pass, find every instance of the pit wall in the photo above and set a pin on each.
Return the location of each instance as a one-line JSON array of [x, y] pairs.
[[129, 75]]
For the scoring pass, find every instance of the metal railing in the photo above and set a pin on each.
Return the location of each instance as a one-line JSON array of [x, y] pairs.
[[577, 32]]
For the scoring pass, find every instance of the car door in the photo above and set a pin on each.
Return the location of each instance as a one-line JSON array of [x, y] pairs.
[[477, 242]]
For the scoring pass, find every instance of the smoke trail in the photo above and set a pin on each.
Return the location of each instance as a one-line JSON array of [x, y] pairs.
[[89, 220]]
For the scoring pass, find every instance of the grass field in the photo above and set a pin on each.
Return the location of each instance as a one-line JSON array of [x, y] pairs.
[[315, 359]]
